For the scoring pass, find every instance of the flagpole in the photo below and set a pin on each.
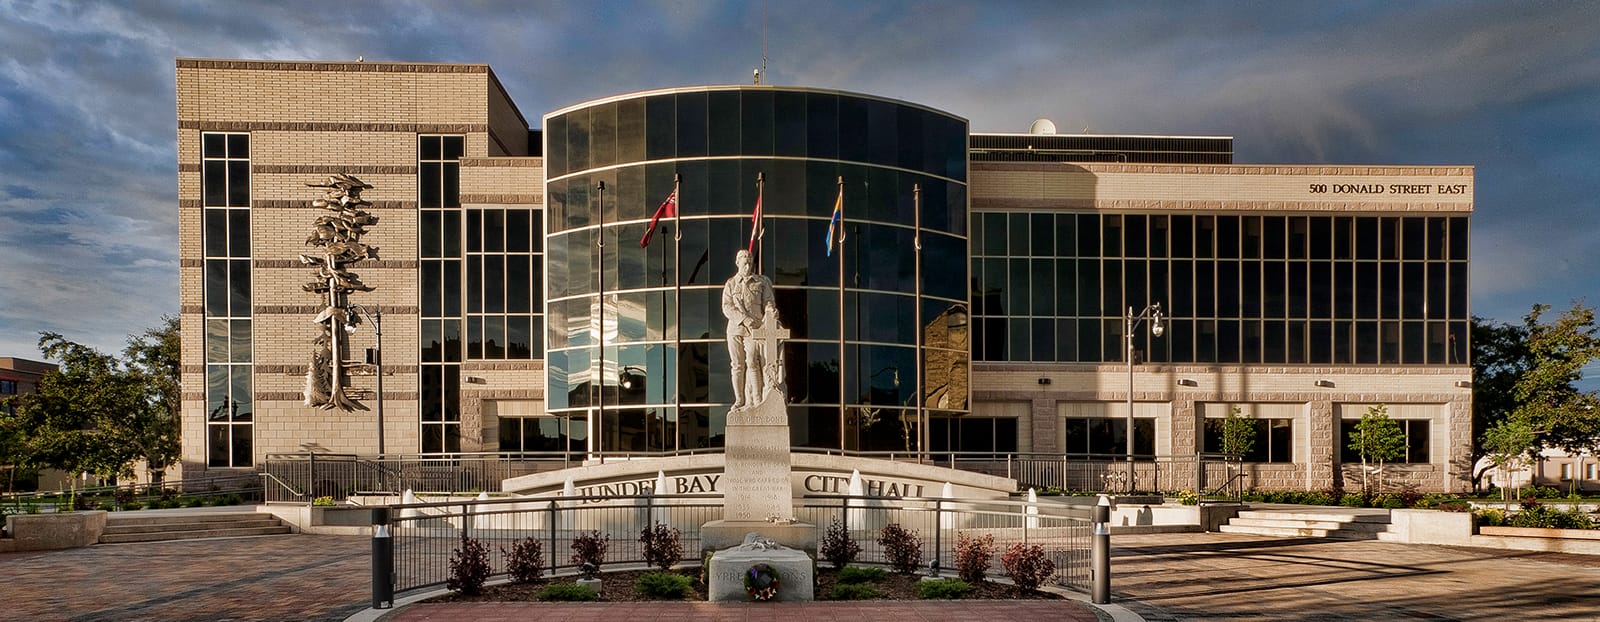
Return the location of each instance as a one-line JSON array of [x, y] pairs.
[[760, 243], [841, 309], [677, 298], [916, 237], [600, 374]]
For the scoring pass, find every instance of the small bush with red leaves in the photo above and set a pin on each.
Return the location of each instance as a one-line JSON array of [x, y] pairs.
[[973, 556], [901, 547], [1028, 566]]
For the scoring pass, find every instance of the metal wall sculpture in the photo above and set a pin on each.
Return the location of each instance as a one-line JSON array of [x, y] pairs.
[[338, 233]]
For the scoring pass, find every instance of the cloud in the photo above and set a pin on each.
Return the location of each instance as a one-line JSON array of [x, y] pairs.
[[87, 123]]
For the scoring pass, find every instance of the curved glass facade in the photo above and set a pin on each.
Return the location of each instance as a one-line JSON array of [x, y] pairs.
[[664, 381]]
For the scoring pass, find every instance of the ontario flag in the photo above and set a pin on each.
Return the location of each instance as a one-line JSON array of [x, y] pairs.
[[836, 222], [668, 209], [755, 226]]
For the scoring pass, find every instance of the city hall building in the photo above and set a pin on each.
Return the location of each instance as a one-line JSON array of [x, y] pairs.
[[974, 300]]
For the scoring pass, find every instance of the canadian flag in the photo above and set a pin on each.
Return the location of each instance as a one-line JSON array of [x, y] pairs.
[[668, 209]]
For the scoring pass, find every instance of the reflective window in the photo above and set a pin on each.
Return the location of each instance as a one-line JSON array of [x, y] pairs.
[[666, 296], [445, 263], [225, 240], [1417, 446], [1272, 440]]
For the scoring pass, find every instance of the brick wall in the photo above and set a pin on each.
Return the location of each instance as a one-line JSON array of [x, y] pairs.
[[308, 120]]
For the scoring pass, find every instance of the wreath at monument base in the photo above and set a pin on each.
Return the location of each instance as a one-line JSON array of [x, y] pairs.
[[761, 582]]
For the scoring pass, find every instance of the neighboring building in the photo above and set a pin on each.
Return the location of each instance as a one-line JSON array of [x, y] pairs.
[[19, 376], [1299, 294], [1554, 468]]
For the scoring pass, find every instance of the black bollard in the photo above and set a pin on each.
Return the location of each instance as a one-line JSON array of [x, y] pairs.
[[1101, 553], [382, 560]]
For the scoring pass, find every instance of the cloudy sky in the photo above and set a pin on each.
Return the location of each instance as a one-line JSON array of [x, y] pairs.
[[88, 174]]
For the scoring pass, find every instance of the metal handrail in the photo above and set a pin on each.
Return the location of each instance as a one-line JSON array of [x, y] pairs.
[[284, 484]]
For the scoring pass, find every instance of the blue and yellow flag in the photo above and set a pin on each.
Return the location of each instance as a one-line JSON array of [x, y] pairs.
[[836, 222]]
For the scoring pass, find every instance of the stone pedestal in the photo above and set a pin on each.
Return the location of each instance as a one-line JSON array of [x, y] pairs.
[[757, 488], [796, 574]]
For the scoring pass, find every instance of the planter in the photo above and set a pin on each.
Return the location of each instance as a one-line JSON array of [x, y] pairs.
[[341, 516], [1541, 532], [60, 530]]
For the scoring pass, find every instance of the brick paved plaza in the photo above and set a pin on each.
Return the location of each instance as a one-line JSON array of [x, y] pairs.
[[1162, 577]]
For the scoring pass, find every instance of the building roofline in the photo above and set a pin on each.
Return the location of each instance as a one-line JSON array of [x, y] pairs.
[[317, 65], [1183, 136], [743, 87]]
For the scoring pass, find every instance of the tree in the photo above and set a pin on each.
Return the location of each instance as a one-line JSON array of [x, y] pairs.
[[1528, 373], [1379, 439], [1500, 356], [1238, 438], [1509, 444], [155, 358], [1546, 394], [95, 414], [1238, 433]]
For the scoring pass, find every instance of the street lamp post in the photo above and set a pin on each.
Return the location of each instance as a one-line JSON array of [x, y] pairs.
[[1151, 312], [376, 358]]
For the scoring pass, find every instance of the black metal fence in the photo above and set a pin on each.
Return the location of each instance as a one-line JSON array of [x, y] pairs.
[[424, 536]]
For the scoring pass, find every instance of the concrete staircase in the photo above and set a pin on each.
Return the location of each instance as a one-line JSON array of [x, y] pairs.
[[123, 527], [1309, 522]]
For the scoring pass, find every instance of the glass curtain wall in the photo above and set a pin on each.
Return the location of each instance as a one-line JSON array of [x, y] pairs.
[[1312, 290], [664, 378]]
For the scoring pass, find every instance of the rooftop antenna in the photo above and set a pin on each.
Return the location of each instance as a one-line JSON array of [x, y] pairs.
[[763, 68]]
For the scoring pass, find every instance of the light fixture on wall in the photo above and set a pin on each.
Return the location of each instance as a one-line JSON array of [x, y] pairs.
[[1187, 382], [1464, 384], [1044, 381], [1325, 383]]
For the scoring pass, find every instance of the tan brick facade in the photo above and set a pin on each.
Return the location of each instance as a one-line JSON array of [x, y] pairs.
[[1175, 394], [307, 121]]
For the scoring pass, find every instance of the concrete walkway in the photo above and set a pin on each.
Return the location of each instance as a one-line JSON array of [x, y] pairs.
[[1243, 577], [1162, 577]]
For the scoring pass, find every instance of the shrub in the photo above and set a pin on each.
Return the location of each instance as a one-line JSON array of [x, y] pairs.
[[902, 548], [664, 585], [1320, 498], [193, 502], [230, 499], [837, 547], [469, 567], [1352, 500], [942, 589], [567, 592], [855, 591], [323, 501], [661, 543], [861, 574], [1454, 505], [590, 548], [1490, 517], [1544, 516], [973, 556], [106, 506], [132, 505], [1028, 566], [525, 560]]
